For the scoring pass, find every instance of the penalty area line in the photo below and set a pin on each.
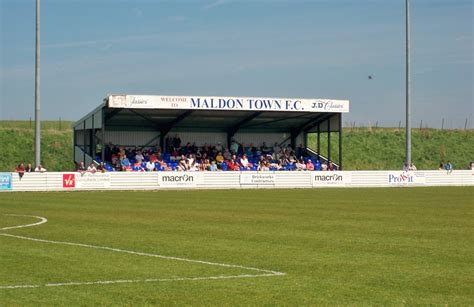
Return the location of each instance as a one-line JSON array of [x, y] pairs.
[[261, 272], [118, 250], [130, 281]]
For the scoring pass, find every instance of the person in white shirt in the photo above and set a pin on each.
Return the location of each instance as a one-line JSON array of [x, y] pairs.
[[91, 168], [412, 167], [150, 166], [245, 162], [40, 169], [139, 156]]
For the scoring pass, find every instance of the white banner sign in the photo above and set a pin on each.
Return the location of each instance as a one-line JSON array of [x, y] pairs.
[[406, 178], [228, 103], [321, 179], [260, 179], [91, 180], [178, 179]]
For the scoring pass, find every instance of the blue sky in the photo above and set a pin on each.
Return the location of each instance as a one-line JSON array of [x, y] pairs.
[[280, 48]]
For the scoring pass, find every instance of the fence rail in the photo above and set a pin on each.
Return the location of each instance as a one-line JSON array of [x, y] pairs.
[[70, 181]]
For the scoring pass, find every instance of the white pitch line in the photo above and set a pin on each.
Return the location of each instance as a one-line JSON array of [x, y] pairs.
[[42, 221], [265, 273], [125, 281], [118, 250]]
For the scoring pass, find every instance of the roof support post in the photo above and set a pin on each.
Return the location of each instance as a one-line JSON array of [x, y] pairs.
[[74, 142], [318, 149], [103, 136], [329, 139], [85, 143], [93, 140], [340, 141], [162, 142], [229, 139]]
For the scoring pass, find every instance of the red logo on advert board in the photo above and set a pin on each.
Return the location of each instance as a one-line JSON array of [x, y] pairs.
[[69, 180]]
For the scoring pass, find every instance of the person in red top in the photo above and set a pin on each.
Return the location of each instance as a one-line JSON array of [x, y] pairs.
[[20, 169], [233, 165], [153, 158]]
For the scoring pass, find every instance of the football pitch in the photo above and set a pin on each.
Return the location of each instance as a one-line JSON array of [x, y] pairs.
[[238, 247]]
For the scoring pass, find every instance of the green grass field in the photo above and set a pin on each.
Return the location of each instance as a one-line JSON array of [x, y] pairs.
[[336, 246]]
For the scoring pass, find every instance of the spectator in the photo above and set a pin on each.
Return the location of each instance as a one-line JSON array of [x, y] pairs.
[[91, 168], [245, 162], [183, 164], [122, 154], [150, 166], [324, 166], [206, 149], [248, 150], [176, 142], [40, 169], [331, 166], [412, 167], [300, 165], [219, 158], [309, 165], [317, 165], [300, 151], [169, 144], [174, 155], [20, 169], [101, 167], [213, 166], [118, 167], [227, 154], [276, 148], [265, 149], [29, 168], [234, 147], [449, 167], [194, 166], [187, 149], [233, 165], [191, 159], [441, 167], [138, 167], [206, 165], [126, 166], [471, 166], [81, 168], [253, 150], [264, 166], [152, 157], [274, 165], [139, 156]]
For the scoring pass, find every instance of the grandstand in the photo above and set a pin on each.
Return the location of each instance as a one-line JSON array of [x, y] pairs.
[[149, 122]]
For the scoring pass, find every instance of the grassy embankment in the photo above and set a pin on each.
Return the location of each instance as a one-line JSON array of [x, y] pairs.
[[381, 148], [17, 144]]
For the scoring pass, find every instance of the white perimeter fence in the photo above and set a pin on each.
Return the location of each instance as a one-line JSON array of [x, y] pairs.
[[71, 181]]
